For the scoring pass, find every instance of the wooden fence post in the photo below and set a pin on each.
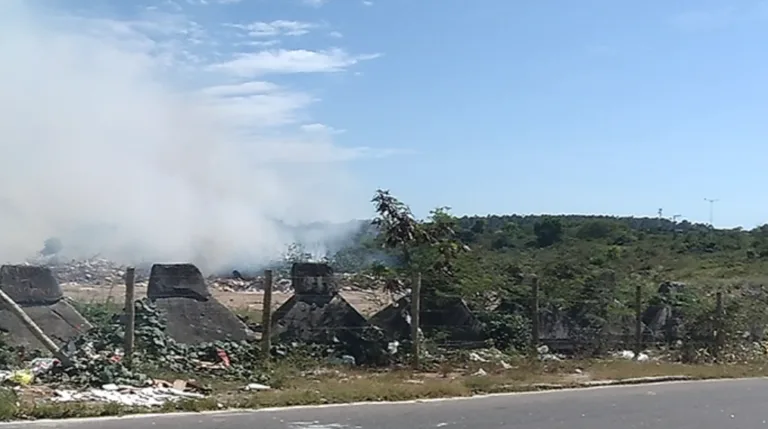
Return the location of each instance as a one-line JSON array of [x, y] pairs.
[[719, 325], [416, 320], [638, 320], [130, 315], [266, 315], [534, 315]]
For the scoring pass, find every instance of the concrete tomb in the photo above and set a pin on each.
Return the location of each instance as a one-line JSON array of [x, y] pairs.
[[193, 316], [38, 293], [663, 318], [317, 313], [313, 279], [449, 317]]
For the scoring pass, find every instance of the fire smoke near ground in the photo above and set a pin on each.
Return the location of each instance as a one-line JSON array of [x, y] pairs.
[[99, 151]]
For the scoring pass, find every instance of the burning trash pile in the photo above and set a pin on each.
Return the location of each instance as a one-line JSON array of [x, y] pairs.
[[95, 271], [103, 272], [237, 282]]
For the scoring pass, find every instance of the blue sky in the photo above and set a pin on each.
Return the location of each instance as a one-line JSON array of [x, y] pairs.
[[492, 106]]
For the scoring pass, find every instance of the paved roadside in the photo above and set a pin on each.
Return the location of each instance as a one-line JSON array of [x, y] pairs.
[[725, 404]]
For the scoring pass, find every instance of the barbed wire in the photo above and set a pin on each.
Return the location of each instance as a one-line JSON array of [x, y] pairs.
[[618, 330]]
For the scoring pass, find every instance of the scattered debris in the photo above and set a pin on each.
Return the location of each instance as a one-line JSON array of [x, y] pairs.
[[491, 356], [545, 355], [475, 357], [630, 355], [126, 395], [256, 386], [42, 365], [22, 377], [343, 360], [103, 272]]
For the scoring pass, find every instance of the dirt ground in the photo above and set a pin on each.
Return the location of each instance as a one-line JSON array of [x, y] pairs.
[[365, 302]]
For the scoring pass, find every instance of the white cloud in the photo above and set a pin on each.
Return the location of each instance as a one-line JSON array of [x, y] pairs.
[[336, 34], [245, 88], [367, 3], [169, 39], [136, 133], [320, 129], [245, 112], [259, 43], [276, 28], [314, 3], [291, 61]]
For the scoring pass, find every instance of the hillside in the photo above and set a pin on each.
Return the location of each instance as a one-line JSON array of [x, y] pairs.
[[588, 268], [569, 248]]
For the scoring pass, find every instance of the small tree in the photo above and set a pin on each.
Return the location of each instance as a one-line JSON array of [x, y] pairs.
[[427, 247], [398, 229]]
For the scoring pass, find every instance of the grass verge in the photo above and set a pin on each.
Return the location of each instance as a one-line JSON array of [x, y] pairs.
[[329, 386]]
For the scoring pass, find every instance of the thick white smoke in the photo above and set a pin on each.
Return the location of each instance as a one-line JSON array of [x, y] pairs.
[[97, 148]]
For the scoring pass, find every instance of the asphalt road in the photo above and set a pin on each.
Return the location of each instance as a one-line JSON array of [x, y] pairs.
[[739, 404]]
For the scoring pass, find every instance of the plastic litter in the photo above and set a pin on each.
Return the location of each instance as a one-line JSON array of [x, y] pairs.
[[21, 377], [630, 355], [42, 365], [126, 395], [256, 386]]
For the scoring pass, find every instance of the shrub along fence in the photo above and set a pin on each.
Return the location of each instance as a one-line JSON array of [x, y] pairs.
[[683, 322], [679, 320]]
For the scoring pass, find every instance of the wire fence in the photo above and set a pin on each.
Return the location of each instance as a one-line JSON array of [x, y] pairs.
[[321, 307]]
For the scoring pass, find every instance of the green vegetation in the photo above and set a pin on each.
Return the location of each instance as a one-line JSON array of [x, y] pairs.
[[570, 248], [588, 267]]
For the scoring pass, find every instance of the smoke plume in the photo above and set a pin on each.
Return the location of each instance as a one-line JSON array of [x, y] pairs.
[[101, 148]]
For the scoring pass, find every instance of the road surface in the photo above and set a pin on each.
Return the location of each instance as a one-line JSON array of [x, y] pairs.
[[738, 404]]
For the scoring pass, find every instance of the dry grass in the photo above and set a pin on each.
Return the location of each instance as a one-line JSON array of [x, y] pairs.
[[340, 386], [326, 386], [626, 369]]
